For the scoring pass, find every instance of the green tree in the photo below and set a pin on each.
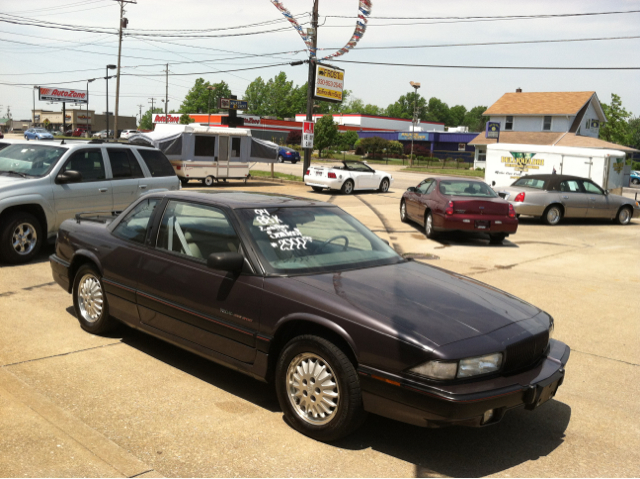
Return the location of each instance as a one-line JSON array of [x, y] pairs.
[[474, 119], [197, 99], [278, 90], [437, 110], [298, 100], [347, 139], [617, 128], [146, 122], [326, 133], [256, 97], [404, 106], [456, 115], [374, 145], [185, 119], [634, 130], [356, 105]]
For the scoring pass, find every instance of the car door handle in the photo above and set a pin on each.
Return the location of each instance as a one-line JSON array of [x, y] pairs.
[[143, 187], [103, 190], [565, 197]]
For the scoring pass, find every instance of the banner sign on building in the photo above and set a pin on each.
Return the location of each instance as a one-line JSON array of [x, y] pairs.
[[416, 136], [229, 104], [493, 130], [307, 134], [65, 95], [173, 119], [329, 83], [250, 120]]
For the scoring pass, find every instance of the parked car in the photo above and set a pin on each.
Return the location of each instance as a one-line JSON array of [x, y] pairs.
[[351, 176], [451, 204], [127, 133], [300, 293], [80, 131], [635, 177], [37, 134], [1, 135], [103, 134], [288, 154], [553, 197], [41, 185]]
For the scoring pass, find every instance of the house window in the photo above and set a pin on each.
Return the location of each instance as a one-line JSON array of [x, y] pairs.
[[509, 123], [588, 125], [482, 155], [546, 124], [462, 146]]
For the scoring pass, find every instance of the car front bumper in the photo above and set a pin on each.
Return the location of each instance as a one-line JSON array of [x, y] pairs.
[[475, 404]]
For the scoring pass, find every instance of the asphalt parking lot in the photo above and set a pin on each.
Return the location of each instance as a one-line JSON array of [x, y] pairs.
[[73, 404]]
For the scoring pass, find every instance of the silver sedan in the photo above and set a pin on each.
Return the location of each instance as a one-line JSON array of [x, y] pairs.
[[553, 197]]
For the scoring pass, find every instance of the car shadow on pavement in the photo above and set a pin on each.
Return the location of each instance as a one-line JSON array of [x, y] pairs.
[[530, 220], [46, 250], [455, 238], [467, 452]]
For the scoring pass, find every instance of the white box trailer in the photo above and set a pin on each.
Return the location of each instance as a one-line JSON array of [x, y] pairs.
[[209, 154], [506, 162]]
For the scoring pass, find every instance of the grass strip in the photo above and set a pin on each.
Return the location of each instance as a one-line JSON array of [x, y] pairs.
[[283, 176]]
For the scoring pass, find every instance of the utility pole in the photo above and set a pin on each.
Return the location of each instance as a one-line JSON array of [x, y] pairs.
[[310, 83], [123, 24], [166, 101], [140, 107], [414, 120]]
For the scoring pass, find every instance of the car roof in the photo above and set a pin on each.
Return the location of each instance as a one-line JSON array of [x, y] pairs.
[[244, 199], [551, 180]]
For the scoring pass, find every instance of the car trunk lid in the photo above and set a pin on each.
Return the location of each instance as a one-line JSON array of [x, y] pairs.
[[489, 206]]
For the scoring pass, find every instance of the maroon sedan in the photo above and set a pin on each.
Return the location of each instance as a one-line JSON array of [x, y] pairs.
[[450, 204]]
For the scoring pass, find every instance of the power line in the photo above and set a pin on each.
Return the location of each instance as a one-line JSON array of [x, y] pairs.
[[485, 67]]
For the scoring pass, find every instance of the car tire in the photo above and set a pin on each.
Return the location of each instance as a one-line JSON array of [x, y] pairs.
[[552, 215], [90, 301], [294, 162], [298, 391], [280, 159], [497, 238], [429, 231], [384, 185], [184, 181], [317, 189], [403, 212], [347, 187], [20, 238], [37, 138], [208, 181], [624, 215], [635, 181]]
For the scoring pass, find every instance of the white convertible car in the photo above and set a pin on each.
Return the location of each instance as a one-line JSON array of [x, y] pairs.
[[351, 176]]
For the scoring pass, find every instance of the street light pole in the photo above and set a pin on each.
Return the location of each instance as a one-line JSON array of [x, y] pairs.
[[87, 122], [414, 120], [109, 67], [33, 115], [210, 88], [310, 86]]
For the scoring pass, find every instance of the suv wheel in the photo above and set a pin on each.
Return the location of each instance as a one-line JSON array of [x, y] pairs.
[[318, 389], [20, 238]]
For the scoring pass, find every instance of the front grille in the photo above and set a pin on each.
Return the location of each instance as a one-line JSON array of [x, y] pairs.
[[526, 352]]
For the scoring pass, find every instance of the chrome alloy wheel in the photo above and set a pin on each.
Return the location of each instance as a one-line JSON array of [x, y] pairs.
[[403, 211], [553, 216], [348, 188], [624, 217], [24, 239], [90, 298], [385, 186], [429, 226], [312, 389]]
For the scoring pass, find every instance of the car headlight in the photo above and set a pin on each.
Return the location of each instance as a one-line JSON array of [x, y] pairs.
[[459, 369], [479, 365]]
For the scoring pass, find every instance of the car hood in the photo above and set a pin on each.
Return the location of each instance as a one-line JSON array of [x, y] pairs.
[[422, 303]]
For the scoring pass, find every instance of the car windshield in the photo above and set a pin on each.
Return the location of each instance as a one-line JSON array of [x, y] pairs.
[[32, 160], [466, 188], [306, 240], [530, 183]]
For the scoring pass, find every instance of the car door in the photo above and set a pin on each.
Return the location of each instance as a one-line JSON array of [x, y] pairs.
[[182, 296], [413, 200], [574, 199], [90, 195], [125, 177], [599, 204], [158, 172]]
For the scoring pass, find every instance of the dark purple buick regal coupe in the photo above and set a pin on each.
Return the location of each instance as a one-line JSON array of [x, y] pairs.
[[298, 292]]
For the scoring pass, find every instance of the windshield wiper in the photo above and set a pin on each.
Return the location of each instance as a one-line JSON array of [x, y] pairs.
[[24, 175]]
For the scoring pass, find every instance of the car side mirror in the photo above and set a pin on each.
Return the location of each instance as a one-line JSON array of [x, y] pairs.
[[69, 176], [232, 262], [411, 189]]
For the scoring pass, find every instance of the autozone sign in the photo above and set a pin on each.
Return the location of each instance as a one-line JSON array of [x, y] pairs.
[[175, 119], [62, 94]]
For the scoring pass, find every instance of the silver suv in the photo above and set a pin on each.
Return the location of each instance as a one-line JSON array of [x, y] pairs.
[[41, 185]]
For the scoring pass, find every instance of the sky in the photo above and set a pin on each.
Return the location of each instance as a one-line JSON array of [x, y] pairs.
[[51, 57]]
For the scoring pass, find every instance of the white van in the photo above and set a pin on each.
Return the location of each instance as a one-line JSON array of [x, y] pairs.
[[507, 162], [209, 154]]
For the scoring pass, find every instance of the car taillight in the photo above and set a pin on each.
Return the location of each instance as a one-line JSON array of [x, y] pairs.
[[449, 210], [178, 167], [331, 175], [512, 212], [519, 198], [307, 173]]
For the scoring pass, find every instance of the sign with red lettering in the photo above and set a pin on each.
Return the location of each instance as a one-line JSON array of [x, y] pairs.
[[307, 134], [329, 83], [173, 119], [64, 95]]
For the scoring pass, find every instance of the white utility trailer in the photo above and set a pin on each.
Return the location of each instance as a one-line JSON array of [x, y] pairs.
[[508, 162], [207, 153]]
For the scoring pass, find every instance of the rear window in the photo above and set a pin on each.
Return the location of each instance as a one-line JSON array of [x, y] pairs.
[[530, 183], [157, 163]]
